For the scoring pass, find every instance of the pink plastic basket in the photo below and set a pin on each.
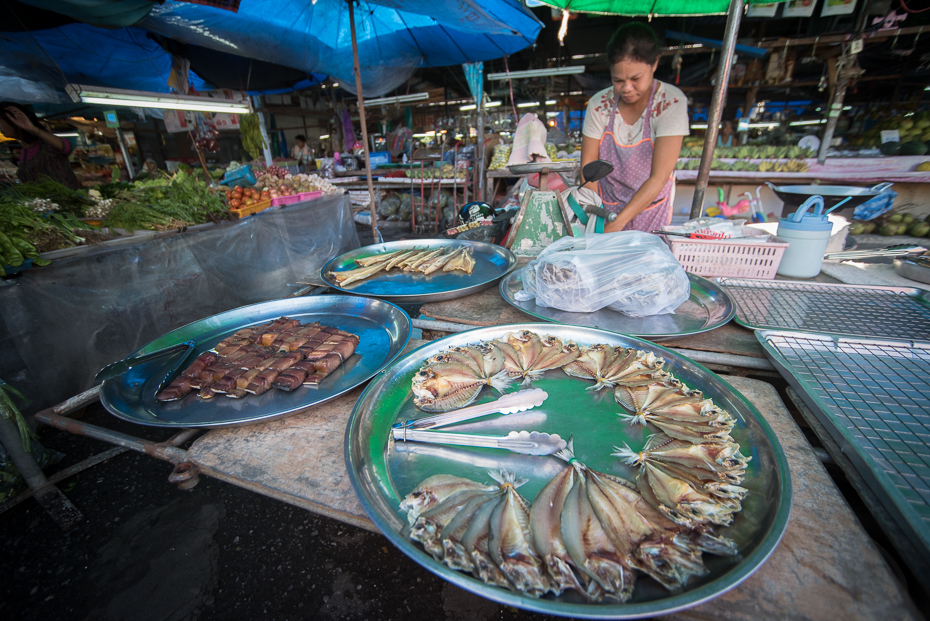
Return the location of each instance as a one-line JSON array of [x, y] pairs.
[[295, 198], [719, 257]]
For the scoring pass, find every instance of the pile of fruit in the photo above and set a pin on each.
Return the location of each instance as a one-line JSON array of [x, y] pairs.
[[445, 172], [913, 130], [796, 166], [750, 152], [500, 156], [276, 171], [245, 197], [892, 224]]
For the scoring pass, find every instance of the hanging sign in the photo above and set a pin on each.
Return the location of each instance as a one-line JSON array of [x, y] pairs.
[[837, 7], [799, 8], [111, 118]]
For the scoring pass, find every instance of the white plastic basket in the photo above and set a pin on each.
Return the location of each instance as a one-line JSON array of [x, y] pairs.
[[728, 257]]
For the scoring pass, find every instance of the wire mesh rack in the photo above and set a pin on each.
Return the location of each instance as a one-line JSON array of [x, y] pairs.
[[873, 396], [876, 312]]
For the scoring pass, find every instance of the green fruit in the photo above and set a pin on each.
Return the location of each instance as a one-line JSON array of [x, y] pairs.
[[890, 148], [857, 228], [902, 228], [888, 230], [870, 227], [907, 218], [913, 147], [895, 218], [919, 229]]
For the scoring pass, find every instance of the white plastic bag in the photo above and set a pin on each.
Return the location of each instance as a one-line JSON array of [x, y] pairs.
[[630, 272]]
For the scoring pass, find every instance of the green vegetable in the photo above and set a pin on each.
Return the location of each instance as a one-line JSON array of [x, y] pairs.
[[252, 140], [913, 147]]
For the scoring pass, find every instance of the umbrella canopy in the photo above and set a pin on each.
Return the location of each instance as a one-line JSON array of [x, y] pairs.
[[392, 42], [125, 58], [648, 7]]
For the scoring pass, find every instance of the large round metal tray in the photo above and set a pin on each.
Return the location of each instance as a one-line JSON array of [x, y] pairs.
[[708, 307], [795, 195], [383, 472], [382, 327], [491, 263]]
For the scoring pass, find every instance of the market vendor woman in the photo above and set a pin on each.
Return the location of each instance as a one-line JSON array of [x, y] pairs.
[[637, 125], [44, 154]]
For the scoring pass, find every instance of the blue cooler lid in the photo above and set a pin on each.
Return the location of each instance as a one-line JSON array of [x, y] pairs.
[[802, 221]]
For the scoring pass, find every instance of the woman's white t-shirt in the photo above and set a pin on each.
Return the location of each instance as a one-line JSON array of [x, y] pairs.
[[669, 116]]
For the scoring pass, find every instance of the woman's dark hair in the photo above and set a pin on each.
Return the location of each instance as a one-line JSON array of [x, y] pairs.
[[22, 135], [300, 137], [634, 41]]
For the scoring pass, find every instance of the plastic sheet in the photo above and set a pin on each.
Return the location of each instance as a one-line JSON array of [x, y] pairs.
[[630, 272], [60, 324]]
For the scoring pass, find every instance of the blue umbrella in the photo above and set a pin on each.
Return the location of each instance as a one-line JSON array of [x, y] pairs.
[[315, 37]]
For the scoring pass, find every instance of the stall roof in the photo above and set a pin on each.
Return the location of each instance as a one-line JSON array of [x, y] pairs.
[[668, 8]]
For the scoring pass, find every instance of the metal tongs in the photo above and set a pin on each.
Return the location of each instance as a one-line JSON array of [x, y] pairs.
[[889, 251], [525, 442]]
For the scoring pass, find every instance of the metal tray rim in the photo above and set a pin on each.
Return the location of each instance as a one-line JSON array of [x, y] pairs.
[[674, 603], [837, 429], [150, 346], [432, 297], [502, 286]]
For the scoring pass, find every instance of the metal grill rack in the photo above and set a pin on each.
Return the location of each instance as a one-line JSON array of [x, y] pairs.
[[875, 312], [874, 398]]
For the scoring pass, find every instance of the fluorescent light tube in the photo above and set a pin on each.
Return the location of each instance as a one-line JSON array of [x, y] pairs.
[[396, 100], [468, 107], [538, 73], [324, 136], [699, 126], [808, 122], [527, 104], [68, 135], [492, 104], [551, 102], [144, 99]]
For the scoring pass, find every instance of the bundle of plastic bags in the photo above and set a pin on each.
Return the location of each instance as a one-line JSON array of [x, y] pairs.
[[630, 272]]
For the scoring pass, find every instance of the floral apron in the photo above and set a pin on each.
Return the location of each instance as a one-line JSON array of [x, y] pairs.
[[632, 167]]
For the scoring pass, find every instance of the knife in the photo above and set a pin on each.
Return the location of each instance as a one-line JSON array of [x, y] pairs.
[[115, 369]]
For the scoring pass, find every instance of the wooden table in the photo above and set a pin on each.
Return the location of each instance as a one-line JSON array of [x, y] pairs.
[[825, 567]]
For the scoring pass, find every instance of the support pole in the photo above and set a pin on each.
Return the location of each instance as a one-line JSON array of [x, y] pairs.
[[480, 155], [734, 15], [257, 104], [373, 204], [125, 150]]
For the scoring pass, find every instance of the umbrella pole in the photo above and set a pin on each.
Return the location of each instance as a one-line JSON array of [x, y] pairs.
[[372, 205], [717, 103]]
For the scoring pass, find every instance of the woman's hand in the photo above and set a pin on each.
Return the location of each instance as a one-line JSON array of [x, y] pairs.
[[21, 120]]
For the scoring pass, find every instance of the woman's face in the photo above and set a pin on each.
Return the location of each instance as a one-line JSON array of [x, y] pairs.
[[632, 79]]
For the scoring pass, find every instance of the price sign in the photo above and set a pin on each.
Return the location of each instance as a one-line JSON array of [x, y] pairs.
[[890, 135]]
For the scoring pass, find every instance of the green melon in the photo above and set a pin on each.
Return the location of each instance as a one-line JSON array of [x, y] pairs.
[[913, 147]]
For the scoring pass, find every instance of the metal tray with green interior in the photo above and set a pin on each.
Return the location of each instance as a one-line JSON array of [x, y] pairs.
[[491, 263], [383, 472], [708, 307], [383, 330]]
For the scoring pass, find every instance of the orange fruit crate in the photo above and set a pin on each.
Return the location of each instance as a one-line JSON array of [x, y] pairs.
[[248, 210]]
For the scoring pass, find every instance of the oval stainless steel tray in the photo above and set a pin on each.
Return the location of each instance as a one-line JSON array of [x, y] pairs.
[[708, 307], [382, 327], [383, 472], [913, 269], [491, 263]]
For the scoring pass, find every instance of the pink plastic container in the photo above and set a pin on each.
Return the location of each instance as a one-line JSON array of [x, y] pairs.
[[295, 198], [734, 258]]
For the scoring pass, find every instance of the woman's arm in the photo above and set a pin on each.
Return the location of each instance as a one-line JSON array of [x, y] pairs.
[[664, 157], [22, 121], [590, 147]]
